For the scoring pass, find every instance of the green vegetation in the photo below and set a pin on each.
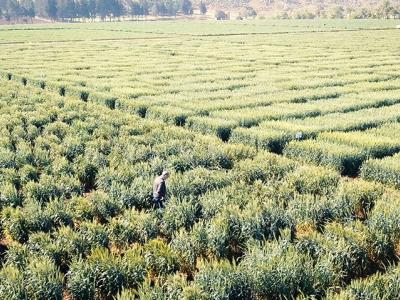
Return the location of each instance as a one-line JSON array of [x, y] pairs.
[[282, 140]]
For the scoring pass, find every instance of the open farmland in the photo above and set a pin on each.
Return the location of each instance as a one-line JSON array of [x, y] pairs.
[[91, 113]]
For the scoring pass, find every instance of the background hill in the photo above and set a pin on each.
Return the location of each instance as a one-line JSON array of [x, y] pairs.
[[319, 8]]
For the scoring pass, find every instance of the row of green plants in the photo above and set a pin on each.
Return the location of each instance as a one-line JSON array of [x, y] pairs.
[[77, 220], [311, 106], [346, 151], [307, 230], [384, 170], [275, 135]]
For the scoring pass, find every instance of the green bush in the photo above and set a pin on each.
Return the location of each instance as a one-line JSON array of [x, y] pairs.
[[80, 208], [81, 281], [9, 196], [264, 219], [133, 227], [386, 170], [10, 176], [311, 210], [189, 246], [127, 294], [18, 255], [265, 167], [12, 285], [86, 173], [15, 224], [136, 195], [272, 140], [69, 244], [43, 280], [59, 129], [378, 286], [179, 214], [172, 115], [23, 154], [219, 127], [371, 141], [59, 213], [276, 272], [313, 180], [383, 221], [100, 276], [349, 248], [7, 158], [28, 173], [200, 156], [224, 234], [103, 206], [43, 245], [94, 234], [345, 159], [355, 199], [196, 182], [134, 268], [238, 194], [229, 230], [72, 147], [108, 273], [49, 188], [171, 288], [36, 216], [159, 257], [222, 280]]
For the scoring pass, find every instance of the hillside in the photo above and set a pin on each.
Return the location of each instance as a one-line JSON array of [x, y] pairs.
[[272, 7]]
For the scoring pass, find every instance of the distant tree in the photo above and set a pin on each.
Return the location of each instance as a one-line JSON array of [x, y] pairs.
[[92, 9], [51, 9], [283, 15], [385, 10], [12, 10], [66, 9], [145, 7], [247, 12], [186, 7], [70, 9], [203, 8], [154, 11], [363, 13], [303, 15], [172, 7], [337, 12], [135, 9], [82, 9], [220, 15], [27, 8], [102, 8], [117, 9]]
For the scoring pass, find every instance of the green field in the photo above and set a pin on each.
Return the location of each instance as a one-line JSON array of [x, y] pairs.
[[91, 113]]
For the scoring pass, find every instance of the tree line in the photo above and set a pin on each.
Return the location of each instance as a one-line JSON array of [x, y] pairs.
[[382, 10], [92, 9]]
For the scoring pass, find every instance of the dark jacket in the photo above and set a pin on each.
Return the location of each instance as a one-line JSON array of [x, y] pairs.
[[159, 188]]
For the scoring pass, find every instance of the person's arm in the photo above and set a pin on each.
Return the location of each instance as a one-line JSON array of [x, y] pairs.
[[161, 189], [158, 188]]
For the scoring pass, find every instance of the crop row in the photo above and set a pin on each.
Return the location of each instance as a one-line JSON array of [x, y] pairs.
[[274, 135], [346, 151], [76, 182]]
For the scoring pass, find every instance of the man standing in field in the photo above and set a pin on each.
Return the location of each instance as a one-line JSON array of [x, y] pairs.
[[160, 190]]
